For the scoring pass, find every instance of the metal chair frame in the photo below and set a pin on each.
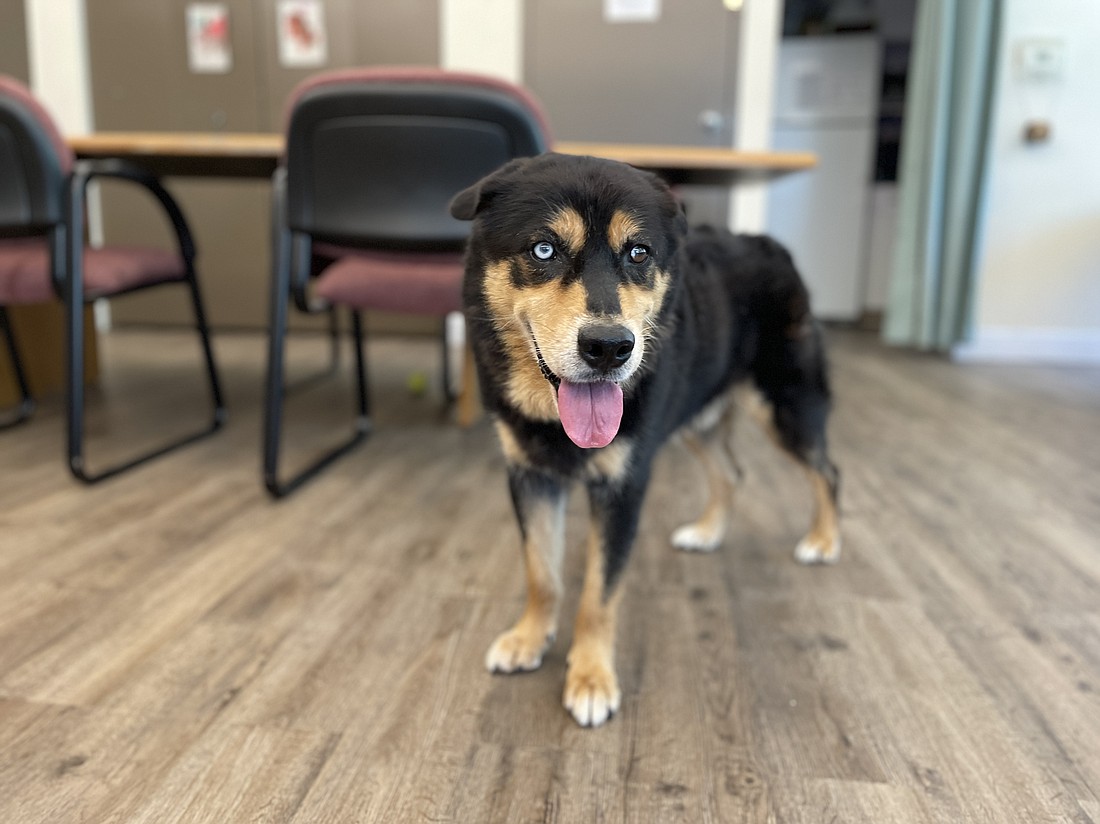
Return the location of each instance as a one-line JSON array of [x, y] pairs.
[[291, 267], [46, 197], [25, 408], [73, 296]]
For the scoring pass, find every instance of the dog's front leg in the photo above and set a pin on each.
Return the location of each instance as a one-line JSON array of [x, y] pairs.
[[592, 691], [539, 501]]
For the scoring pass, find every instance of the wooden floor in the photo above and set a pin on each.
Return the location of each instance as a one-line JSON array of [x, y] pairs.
[[174, 647]]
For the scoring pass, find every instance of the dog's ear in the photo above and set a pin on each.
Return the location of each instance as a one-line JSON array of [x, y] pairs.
[[469, 202], [465, 205], [681, 219], [674, 206]]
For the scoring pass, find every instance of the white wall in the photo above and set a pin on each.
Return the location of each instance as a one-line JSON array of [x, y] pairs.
[[482, 36], [757, 53], [1038, 292], [57, 48]]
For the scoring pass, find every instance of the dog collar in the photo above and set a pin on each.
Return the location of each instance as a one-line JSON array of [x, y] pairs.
[[553, 379]]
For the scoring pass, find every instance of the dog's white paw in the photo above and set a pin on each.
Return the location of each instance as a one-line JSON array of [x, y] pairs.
[[815, 549], [693, 538], [592, 694], [517, 650]]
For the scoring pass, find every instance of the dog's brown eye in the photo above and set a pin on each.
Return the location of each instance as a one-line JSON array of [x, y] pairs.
[[639, 254], [543, 250]]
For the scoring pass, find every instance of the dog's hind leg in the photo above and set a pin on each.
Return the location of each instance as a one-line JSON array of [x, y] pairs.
[[822, 543], [592, 691], [539, 502], [712, 445], [798, 392]]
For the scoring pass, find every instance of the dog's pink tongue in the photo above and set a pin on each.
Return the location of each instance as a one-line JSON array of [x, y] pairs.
[[590, 412]]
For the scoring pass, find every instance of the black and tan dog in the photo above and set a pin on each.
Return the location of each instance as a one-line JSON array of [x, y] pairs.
[[601, 326]]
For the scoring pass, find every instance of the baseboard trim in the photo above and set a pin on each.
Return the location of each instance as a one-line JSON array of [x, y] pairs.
[[1008, 345]]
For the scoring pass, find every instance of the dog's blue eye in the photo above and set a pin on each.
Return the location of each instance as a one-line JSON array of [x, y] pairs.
[[639, 254], [543, 250]]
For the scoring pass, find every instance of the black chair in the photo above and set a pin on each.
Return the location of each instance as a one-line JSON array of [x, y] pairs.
[[361, 220], [43, 257]]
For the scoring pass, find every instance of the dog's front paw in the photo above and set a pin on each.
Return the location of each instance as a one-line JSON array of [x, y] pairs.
[[520, 649], [696, 538], [817, 549], [592, 693]]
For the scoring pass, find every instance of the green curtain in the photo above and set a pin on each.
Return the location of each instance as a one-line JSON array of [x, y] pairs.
[[942, 172]]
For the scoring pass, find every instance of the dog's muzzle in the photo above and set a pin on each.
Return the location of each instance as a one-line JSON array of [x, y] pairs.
[[590, 412]]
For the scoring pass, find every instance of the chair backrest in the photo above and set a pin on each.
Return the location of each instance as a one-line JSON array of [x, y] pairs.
[[374, 156], [35, 162]]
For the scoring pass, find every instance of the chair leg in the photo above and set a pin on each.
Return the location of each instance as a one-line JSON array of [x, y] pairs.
[[334, 357], [26, 403], [449, 393], [362, 394], [77, 462], [277, 390], [469, 409], [334, 340], [216, 398]]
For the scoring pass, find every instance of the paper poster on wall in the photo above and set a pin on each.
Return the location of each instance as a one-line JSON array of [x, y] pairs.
[[209, 50], [302, 38], [632, 11]]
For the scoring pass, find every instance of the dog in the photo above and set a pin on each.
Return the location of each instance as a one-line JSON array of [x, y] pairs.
[[601, 326]]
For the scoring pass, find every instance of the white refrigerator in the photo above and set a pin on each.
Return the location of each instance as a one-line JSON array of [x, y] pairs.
[[826, 102]]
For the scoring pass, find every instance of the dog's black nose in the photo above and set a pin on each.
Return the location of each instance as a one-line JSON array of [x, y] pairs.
[[605, 346]]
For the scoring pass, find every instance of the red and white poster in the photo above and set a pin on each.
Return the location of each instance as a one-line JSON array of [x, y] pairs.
[[209, 50], [302, 38]]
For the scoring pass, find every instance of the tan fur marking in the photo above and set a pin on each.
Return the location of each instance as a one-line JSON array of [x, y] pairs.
[[555, 313], [709, 529], [525, 388], [522, 647], [611, 462], [760, 411], [592, 691], [824, 534], [569, 226], [621, 229], [641, 304], [513, 452], [822, 542], [543, 551], [714, 413]]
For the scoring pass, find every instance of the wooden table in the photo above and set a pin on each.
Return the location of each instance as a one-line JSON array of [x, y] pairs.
[[253, 154]]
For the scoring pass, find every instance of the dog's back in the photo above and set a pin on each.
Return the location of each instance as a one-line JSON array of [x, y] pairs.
[[741, 307]]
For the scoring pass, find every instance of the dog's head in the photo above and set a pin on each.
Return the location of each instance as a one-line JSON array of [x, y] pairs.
[[572, 260]]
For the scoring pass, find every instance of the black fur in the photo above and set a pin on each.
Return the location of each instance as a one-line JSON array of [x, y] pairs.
[[735, 310]]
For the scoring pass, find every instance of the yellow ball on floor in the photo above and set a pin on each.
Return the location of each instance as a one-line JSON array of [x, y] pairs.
[[417, 383]]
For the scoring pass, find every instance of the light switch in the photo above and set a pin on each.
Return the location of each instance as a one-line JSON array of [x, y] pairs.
[[1041, 59]]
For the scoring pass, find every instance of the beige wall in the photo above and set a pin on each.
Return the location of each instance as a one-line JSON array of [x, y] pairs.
[[13, 40], [482, 35]]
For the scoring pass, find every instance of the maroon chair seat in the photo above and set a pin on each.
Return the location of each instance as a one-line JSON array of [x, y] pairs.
[[424, 283], [25, 270]]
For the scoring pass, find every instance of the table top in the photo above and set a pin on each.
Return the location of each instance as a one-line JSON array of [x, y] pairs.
[[255, 154]]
